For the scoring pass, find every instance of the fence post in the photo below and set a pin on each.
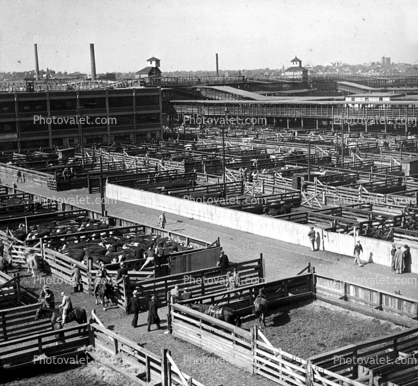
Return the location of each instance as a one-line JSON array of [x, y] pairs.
[[169, 320], [3, 320], [91, 336], [261, 271], [18, 298], [164, 368], [254, 331]]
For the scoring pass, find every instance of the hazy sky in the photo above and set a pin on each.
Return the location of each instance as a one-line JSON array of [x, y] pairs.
[[186, 34]]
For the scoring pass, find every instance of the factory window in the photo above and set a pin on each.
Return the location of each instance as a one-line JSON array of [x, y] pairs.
[[93, 103], [7, 127], [62, 104], [125, 101], [6, 108], [147, 100], [35, 106]]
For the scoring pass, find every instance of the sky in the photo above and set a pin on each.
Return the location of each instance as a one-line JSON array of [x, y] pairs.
[[186, 34]]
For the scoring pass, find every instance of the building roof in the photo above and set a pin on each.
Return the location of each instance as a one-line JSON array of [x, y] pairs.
[[296, 60], [374, 94], [359, 86], [148, 70], [295, 69], [153, 58]]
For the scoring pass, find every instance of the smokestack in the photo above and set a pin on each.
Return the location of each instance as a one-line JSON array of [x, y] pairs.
[[36, 62], [217, 66], [93, 62]]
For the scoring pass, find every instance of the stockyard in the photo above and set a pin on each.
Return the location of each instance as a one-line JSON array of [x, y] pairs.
[[208, 228]]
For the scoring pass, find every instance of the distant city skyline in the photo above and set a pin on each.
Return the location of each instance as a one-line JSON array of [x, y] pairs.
[[186, 34]]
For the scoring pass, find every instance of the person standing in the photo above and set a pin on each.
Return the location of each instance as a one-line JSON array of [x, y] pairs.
[[135, 307], [47, 298], [162, 220], [407, 259], [175, 294], [153, 317], [121, 271], [76, 279], [399, 261], [67, 307], [19, 176], [236, 277], [392, 257], [312, 237], [223, 262], [358, 249]]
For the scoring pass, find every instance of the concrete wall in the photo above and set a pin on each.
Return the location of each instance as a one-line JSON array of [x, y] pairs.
[[375, 251]]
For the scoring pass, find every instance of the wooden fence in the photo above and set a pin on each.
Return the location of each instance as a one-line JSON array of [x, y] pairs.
[[384, 305], [27, 350], [242, 348], [199, 283], [20, 321], [387, 360], [154, 369], [10, 292]]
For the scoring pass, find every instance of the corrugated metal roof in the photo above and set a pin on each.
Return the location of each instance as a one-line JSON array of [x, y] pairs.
[[359, 86]]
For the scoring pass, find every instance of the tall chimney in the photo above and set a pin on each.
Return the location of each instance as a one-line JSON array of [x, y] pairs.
[[217, 66], [36, 62], [93, 62]]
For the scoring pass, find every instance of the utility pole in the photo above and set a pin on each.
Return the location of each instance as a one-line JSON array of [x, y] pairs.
[[309, 160], [223, 158], [102, 203], [80, 129]]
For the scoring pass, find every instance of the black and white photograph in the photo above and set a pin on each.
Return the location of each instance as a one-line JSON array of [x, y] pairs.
[[219, 193]]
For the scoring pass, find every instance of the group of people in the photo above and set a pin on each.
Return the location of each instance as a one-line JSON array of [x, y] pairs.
[[47, 300], [246, 175], [135, 308], [20, 177], [400, 258]]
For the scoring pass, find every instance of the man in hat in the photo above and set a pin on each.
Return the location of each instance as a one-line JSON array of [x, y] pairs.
[[123, 270], [223, 262], [312, 238], [46, 297], [153, 317], [358, 249], [162, 221], [407, 259], [66, 305], [399, 260], [76, 279], [392, 257], [134, 305], [174, 293]]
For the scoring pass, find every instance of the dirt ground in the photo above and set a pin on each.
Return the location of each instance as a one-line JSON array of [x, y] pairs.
[[92, 374], [303, 329], [313, 327]]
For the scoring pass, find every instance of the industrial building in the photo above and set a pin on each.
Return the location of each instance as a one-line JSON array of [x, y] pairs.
[[31, 120]]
